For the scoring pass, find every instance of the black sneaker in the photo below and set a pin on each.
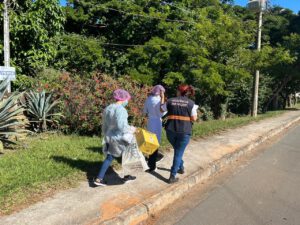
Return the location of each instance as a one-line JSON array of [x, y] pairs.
[[172, 179], [181, 171], [159, 157], [99, 182], [128, 178]]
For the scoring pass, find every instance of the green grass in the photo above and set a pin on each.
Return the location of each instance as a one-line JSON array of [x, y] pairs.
[[211, 127], [55, 162], [47, 164], [214, 126]]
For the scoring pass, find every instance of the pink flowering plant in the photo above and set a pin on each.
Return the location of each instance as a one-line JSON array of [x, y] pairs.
[[84, 99]]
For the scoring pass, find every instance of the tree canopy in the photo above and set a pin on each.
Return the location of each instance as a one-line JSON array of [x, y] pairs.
[[210, 44]]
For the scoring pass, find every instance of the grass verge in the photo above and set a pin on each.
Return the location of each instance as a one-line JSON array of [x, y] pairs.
[[55, 162], [215, 126], [50, 162]]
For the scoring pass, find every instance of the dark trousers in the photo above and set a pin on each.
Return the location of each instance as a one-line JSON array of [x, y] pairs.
[[152, 160], [179, 143]]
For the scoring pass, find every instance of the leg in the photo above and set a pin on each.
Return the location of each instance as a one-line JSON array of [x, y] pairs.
[[181, 143], [160, 156], [181, 164], [171, 136], [107, 162], [152, 161]]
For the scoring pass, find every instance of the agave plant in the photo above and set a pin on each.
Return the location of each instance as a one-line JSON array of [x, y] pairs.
[[9, 110], [41, 109]]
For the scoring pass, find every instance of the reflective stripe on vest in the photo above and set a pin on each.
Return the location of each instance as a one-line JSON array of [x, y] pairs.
[[174, 117]]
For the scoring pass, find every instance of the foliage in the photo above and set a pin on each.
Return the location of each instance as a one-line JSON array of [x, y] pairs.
[[215, 126], [40, 109], [209, 44], [84, 99], [79, 54], [206, 113], [33, 25], [45, 164], [9, 111]]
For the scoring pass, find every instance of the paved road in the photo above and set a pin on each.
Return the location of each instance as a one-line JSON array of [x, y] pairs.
[[265, 192]]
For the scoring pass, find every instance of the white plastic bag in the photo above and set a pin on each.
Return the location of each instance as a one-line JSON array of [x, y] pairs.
[[132, 158]]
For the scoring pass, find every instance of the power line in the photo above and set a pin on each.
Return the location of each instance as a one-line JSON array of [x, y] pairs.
[[147, 16], [129, 45]]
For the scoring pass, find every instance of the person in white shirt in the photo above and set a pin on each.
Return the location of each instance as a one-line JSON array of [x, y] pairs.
[[152, 109]]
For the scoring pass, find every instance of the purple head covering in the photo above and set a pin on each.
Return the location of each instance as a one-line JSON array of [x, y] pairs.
[[157, 89], [121, 95]]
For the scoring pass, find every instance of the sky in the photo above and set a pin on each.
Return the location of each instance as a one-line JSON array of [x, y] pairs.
[[290, 4]]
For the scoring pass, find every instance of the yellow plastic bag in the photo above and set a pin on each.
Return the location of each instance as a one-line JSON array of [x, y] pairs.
[[146, 141]]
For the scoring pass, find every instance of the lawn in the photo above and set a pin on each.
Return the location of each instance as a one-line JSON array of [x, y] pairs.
[[54, 162], [48, 163], [214, 126]]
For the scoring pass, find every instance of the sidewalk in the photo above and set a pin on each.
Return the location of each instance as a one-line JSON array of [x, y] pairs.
[[132, 203]]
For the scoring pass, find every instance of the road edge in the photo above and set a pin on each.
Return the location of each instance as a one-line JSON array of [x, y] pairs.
[[161, 200]]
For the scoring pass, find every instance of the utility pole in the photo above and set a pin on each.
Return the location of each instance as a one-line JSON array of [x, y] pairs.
[[257, 6], [257, 73], [6, 39]]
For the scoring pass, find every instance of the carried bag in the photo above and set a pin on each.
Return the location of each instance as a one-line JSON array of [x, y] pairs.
[[132, 158], [147, 141]]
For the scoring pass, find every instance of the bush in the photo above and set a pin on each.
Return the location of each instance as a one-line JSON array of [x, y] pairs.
[[206, 114], [10, 110], [41, 110], [83, 100]]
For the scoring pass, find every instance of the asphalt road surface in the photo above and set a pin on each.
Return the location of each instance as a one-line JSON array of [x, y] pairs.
[[265, 191]]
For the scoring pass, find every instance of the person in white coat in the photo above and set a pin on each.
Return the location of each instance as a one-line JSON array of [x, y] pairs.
[[152, 109], [115, 129]]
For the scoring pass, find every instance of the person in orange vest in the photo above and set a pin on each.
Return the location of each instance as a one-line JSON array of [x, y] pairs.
[[181, 113]]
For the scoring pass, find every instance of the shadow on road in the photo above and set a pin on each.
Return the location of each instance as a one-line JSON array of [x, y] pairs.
[[158, 176], [164, 169]]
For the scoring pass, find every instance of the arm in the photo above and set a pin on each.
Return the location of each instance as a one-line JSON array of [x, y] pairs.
[[163, 104], [194, 118], [122, 119], [194, 115]]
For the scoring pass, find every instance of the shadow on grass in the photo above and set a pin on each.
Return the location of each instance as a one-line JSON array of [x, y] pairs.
[[91, 169], [291, 109], [95, 149]]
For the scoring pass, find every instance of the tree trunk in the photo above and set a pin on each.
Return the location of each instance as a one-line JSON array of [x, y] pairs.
[[278, 90], [290, 100], [275, 102], [295, 99], [216, 106]]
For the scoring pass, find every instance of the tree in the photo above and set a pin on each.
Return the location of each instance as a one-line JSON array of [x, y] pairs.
[[33, 25], [79, 54]]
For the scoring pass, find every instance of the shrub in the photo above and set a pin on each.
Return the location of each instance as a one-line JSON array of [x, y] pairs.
[[84, 99], [41, 110], [9, 111], [206, 114]]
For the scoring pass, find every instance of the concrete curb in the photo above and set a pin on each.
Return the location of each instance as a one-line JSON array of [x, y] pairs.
[[161, 200]]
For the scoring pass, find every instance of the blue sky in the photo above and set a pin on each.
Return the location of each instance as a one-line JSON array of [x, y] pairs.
[[291, 4]]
